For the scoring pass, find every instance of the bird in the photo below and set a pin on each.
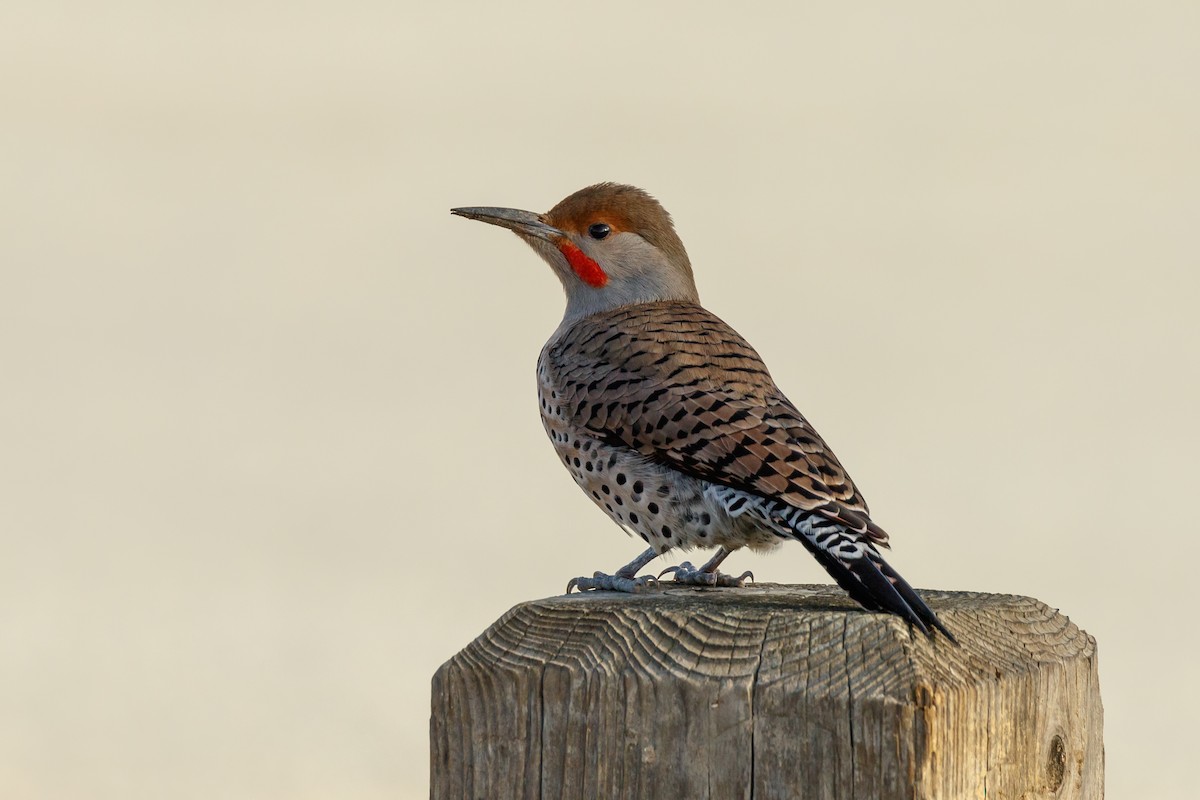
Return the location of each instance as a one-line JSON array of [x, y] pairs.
[[670, 421]]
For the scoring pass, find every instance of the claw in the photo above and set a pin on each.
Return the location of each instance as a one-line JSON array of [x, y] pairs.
[[688, 575], [730, 581], [685, 567], [644, 582]]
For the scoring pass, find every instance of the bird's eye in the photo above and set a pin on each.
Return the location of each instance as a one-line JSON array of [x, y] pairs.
[[599, 230]]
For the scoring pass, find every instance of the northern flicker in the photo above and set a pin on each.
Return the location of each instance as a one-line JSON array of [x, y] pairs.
[[669, 421]]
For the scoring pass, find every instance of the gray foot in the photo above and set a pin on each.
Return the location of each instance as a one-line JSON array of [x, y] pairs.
[[612, 583], [688, 575]]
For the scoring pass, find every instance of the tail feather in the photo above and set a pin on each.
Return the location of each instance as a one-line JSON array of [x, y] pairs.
[[866, 584], [870, 581], [912, 598]]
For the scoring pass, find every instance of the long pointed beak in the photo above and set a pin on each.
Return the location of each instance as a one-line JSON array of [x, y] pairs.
[[525, 223]]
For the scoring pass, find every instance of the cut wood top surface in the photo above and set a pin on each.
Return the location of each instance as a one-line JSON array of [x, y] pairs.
[[767, 629]]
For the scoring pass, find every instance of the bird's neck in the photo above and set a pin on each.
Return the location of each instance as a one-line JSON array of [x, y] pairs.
[[621, 291]]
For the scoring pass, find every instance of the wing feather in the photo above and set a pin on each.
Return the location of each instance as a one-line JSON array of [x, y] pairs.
[[678, 385]]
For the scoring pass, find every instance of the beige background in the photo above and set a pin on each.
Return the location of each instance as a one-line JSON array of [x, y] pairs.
[[269, 450]]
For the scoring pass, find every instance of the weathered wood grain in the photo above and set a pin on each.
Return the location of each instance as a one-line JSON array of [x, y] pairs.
[[769, 692]]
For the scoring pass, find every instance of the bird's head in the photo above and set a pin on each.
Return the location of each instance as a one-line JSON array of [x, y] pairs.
[[610, 245]]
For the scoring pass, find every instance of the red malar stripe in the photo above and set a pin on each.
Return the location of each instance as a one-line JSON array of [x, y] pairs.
[[588, 271]]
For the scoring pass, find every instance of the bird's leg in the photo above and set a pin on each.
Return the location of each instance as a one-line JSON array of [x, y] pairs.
[[622, 581], [707, 575]]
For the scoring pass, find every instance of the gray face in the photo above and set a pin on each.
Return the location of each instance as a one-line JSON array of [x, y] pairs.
[[638, 272]]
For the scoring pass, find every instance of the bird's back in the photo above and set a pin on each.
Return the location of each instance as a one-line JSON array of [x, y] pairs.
[[679, 386]]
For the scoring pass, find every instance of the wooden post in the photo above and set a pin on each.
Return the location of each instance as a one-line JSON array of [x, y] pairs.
[[769, 692]]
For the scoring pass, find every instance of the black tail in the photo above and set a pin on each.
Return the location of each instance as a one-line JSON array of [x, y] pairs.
[[867, 578]]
